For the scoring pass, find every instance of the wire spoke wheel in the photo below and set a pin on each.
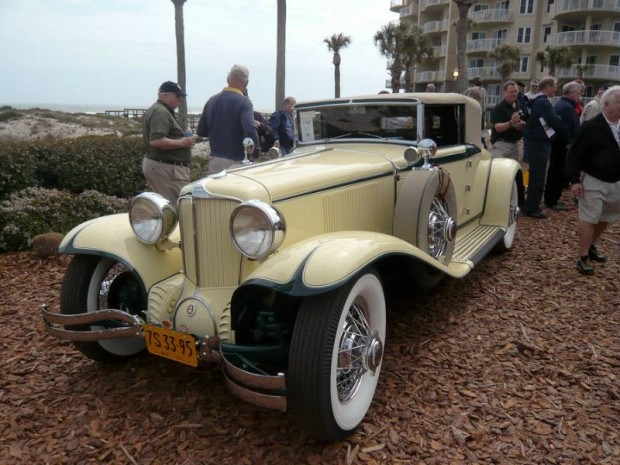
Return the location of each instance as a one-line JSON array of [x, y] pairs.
[[336, 356], [441, 228], [94, 283]]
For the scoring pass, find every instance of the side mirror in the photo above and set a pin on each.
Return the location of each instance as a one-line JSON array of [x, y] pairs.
[[428, 149], [273, 153], [248, 145], [248, 148]]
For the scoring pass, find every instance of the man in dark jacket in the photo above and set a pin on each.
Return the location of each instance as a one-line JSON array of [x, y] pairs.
[[283, 126], [538, 134], [593, 168], [556, 179], [228, 118]]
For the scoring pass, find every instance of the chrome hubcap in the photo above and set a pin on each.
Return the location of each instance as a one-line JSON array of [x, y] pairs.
[[360, 351], [441, 228]]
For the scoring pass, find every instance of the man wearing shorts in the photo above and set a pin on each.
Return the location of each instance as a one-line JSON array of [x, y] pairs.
[[593, 168]]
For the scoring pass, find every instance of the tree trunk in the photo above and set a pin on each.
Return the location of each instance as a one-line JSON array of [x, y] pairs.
[[461, 37], [336, 62], [281, 54], [180, 35]]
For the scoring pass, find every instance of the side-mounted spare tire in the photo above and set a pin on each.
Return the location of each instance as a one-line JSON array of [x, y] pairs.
[[425, 213]]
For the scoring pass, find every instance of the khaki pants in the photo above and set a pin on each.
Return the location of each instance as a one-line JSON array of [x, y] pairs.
[[502, 149], [165, 179], [217, 164]]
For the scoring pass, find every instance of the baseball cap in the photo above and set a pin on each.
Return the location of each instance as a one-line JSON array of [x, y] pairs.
[[170, 86]]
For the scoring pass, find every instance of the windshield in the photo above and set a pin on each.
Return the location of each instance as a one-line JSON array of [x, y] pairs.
[[444, 123], [358, 121]]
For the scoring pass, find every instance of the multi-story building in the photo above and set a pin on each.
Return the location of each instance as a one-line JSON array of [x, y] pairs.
[[591, 28]]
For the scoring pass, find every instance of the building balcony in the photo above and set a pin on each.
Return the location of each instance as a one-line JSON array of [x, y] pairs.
[[588, 37], [431, 27], [409, 10], [497, 15], [396, 5], [388, 83], [483, 45], [430, 4], [602, 72], [440, 51], [575, 9], [493, 100], [426, 76], [488, 72]]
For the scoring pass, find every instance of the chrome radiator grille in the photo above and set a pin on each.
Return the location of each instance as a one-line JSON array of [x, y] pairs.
[[209, 256]]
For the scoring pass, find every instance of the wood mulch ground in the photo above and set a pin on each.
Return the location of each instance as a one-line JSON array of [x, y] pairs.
[[518, 363]]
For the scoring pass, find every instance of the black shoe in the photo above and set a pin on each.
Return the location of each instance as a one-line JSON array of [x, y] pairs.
[[560, 207], [595, 255], [584, 266], [537, 214]]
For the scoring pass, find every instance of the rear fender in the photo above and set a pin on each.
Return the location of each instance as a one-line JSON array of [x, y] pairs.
[[112, 236], [504, 171]]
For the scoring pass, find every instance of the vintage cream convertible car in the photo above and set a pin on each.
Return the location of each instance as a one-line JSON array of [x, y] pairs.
[[276, 270]]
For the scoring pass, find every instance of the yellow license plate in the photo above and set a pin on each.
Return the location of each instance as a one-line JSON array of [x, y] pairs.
[[173, 345]]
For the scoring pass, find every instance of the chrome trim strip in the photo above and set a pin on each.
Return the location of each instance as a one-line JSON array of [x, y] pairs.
[[134, 328], [253, 379], [255, 398], [91, 336]]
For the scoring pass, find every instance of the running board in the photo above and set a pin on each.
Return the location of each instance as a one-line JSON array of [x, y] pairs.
[[475, 243]]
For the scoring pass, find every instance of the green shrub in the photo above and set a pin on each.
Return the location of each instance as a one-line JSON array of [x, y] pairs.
[[18, 167], [198, 168], [7, 113], [34, 211], [108, 164]]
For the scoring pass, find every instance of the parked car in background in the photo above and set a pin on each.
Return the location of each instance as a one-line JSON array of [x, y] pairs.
[[276, 270]]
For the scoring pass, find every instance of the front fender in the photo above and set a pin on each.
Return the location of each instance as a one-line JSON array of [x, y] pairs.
[[111, 236], [504, 171], [327, 261]]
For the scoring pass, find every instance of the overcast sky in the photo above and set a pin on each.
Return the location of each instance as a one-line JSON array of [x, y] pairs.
[[117, 52]]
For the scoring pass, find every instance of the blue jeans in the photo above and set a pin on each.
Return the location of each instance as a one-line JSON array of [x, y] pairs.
[[537, 153]]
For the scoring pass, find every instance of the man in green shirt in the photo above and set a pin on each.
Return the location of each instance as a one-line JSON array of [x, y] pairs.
[[168, 151]]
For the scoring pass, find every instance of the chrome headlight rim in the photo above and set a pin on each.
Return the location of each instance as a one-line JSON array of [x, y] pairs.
[[245, 238], [152, 217]]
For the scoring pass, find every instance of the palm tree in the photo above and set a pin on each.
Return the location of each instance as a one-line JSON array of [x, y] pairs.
[[508, 58], [281, 54], [180, 35], [462, 27], [418, 48], [583, 69], [555, 57], [335, 43], [391, 40]]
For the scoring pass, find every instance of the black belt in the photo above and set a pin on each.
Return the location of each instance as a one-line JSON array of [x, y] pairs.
[[505, 140], [175, 163]]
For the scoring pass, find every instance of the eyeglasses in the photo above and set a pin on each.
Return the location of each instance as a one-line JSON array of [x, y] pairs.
[[534, 87]]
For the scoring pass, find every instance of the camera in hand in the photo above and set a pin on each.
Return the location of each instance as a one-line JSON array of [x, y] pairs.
[[524, 115]]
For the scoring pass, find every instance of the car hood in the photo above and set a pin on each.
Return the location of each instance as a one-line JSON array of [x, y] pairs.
[[313, 168]]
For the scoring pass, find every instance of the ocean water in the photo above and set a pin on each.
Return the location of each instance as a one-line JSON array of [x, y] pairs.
[[86, 108]]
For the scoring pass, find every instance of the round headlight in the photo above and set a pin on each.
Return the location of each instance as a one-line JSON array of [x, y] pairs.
[[257, 228], [152, 217]]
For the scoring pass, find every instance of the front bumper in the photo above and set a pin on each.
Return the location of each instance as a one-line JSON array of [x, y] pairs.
[[259, 389]]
